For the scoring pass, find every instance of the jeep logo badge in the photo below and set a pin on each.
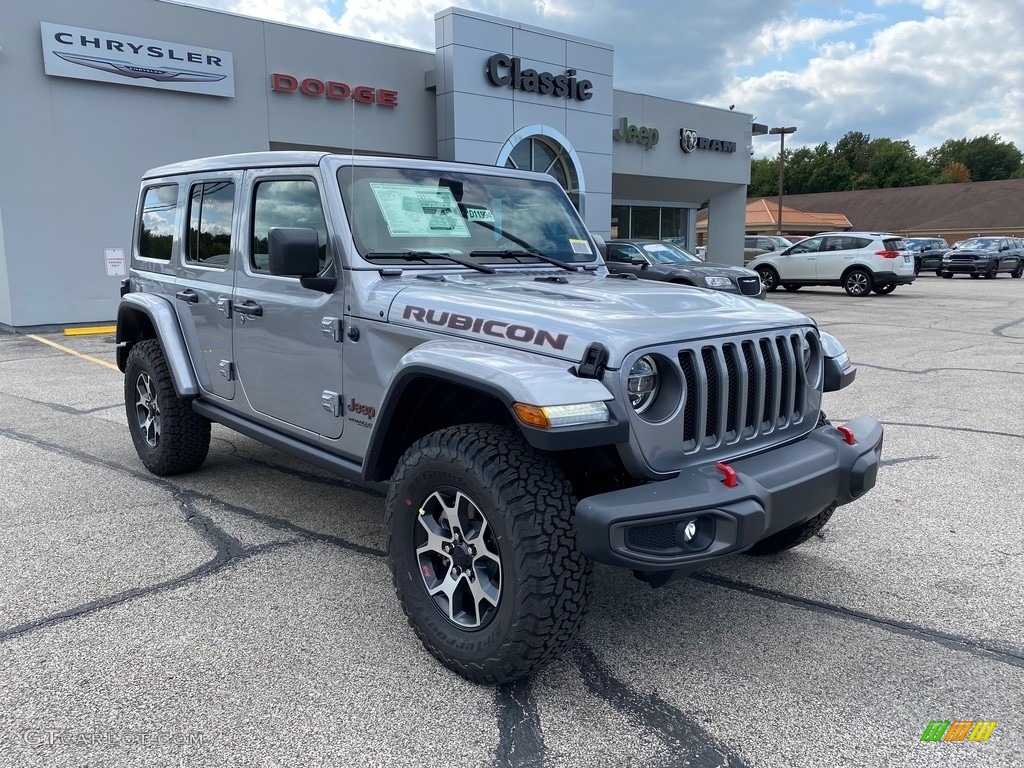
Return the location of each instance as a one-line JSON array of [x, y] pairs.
[[687, 139]]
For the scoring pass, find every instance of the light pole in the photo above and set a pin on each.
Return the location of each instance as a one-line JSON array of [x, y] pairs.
[[781, 132]]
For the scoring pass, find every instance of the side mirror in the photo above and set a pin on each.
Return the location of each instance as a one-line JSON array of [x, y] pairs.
[[295, 252], [602, 246], [638, 261]]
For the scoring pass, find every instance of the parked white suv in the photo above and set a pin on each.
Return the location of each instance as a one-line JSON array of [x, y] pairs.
[[861, 262]]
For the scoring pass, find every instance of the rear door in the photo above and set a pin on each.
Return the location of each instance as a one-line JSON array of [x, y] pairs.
[[206, 270], [287, 338], [841, 251]]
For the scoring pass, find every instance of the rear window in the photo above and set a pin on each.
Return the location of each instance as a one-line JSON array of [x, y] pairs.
[[158, 220], [894, 244]]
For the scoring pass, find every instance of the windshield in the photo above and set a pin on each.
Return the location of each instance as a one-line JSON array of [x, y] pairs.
[[398, 212], [979, 244], [666, 253]]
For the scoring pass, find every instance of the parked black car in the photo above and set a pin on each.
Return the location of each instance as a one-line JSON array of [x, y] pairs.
[[658, 260], [927, 252], [986, 256]]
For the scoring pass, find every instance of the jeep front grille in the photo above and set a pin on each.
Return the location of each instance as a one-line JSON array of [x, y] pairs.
[[742, 389]]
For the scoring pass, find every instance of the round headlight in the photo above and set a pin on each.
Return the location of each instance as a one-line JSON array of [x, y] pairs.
[[642, 384]]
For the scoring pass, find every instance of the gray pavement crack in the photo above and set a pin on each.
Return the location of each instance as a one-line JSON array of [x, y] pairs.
[[926, 371], [985, 649], [908, 459], [520, 738], [691, 744]]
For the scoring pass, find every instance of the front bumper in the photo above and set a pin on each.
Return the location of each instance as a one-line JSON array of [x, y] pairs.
[[642, 528], [978, 267]]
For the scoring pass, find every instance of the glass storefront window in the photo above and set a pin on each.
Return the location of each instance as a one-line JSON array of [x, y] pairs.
[[649, 222]]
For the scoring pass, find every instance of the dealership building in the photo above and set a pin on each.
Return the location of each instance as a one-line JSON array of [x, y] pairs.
[[94, 94]]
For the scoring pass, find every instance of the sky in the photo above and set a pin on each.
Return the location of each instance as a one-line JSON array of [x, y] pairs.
[[923, 71]]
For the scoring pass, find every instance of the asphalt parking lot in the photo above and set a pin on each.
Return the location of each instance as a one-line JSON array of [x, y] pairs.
[[244, 615]]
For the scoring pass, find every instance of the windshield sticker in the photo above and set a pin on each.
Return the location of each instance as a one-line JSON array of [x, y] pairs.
[[478, 213], [580, 246], [412, 210]]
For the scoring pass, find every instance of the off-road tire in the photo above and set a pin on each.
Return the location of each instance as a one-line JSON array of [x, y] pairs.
[[177, 438], [528, 506], [769, 277], [858, 282], [1018, 270], [797, 534]]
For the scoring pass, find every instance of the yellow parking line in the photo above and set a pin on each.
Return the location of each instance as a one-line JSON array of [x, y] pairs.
[[90, 330], [70, 351]]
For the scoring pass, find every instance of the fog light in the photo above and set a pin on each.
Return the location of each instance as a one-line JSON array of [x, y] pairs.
[[690, 531], [695, 534]]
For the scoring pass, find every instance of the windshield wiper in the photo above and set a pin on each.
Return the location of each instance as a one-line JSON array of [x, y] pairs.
[[424, 255], [508, 253]]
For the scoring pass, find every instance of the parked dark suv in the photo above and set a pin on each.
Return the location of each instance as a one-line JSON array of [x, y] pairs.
[[927, 252], [986, 256]]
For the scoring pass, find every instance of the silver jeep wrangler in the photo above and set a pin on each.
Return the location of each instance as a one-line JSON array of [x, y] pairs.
[[449, 334]]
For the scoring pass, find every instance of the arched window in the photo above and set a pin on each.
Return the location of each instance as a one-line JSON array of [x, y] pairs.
[[545, 155]]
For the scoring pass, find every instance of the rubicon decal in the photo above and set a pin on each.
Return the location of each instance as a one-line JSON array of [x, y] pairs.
[[90, 54], [524, 334]]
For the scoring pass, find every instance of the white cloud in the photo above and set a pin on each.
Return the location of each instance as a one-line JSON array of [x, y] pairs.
[[957, 72]]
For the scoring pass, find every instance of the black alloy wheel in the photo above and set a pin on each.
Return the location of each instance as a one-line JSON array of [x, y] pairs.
[[769, 277], [858, 282]]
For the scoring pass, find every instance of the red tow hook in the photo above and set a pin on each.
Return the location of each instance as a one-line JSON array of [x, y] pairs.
[[847, 434], [731, 480]]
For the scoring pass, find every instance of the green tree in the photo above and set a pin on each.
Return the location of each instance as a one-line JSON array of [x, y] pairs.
[[988, 158], [855, 147], [764, 177], [897, 164]]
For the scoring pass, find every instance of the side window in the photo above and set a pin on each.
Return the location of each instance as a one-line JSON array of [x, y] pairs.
[[209, 223], [618, 254], [806, 246], [286, 203], [156, 230]]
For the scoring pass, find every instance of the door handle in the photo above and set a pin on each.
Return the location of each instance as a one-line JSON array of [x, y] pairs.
[[188, 296], [250, 308]]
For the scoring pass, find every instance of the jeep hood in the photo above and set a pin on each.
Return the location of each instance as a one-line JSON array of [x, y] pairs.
[[561, 319]]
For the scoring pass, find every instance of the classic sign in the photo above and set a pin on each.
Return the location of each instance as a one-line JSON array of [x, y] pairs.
[[503, 70]]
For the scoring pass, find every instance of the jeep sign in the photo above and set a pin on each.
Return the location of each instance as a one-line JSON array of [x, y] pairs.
[[644, 136]]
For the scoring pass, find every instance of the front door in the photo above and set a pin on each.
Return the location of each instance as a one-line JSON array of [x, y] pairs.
[[799, 262], [288, 353], [202, 298]]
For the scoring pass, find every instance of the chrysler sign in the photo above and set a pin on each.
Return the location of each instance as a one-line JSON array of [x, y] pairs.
[[88, 54]]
